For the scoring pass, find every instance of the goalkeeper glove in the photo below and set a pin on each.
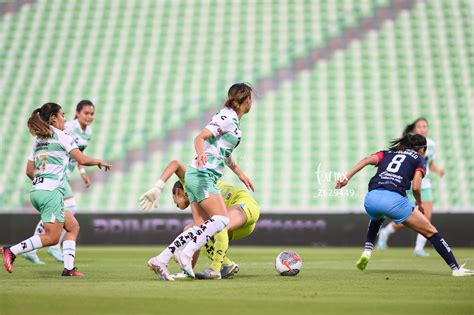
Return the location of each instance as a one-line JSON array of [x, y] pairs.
[[150, 199]]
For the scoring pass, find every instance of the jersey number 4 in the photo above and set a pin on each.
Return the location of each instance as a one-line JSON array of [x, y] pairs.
[[396, 162]]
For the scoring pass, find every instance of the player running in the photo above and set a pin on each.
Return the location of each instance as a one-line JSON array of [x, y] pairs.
[[214, 145], [419, 126], [46, 167], [396, 169], [80, 130], [242, 211]]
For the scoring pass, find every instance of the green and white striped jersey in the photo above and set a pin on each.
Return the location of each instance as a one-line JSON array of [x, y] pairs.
[[82, 138], [51, 157], [430, 155], [225, 129]]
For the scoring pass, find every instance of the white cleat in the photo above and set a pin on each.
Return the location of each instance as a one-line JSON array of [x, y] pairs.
[[463, 272], [186, 264], [160, 269], [180, 276]]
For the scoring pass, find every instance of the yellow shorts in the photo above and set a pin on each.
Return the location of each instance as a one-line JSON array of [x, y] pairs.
[[251, 210]]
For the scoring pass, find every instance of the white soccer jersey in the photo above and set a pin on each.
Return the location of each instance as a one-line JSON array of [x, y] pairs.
[[51, 157], [430, 155], [82, 138], [225, 129]]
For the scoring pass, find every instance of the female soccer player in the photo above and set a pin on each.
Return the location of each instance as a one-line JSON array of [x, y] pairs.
[[80, 130], [47, 169], [214, 145], [397, 168], [242, 210], [419, 126]]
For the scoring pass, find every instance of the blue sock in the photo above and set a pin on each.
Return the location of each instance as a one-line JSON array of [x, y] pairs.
[[372, 232], [444, 250]]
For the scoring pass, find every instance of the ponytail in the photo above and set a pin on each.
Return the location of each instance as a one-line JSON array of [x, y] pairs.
[[40, 120], [409, 141]]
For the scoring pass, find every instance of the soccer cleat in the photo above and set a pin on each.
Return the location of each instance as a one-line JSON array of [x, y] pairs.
[[382, 240], [228, 271], [56, 253], [33, 258], [72, 273], [180, 276], [363, 261], [462, 272], [208, 274], [420, 253], [160, 269], [186, 264], [8, 258]]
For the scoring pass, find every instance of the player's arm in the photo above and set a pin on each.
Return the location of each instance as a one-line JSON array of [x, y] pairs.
[[416, 188], [436, 169], [84, 176], [30, 169], [150, 199], [201, 158], [83, 159], [236, 169], [369, 160]]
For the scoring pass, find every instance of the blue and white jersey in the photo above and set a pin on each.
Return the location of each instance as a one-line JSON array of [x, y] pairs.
[[396, 170]]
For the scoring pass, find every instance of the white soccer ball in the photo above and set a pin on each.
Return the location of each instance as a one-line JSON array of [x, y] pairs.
[[288, 263]]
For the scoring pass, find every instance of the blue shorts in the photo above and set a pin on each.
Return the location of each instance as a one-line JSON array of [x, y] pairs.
[[380, 203]]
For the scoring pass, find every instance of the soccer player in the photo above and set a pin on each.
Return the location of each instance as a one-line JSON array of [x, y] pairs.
[[419, 126], [80, 130], [242, 210], [46, 167], [396, 169], [214, 145]]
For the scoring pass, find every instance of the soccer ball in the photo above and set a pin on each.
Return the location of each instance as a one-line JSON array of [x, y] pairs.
[[288, 263]]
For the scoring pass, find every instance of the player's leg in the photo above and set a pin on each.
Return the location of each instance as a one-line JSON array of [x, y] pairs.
[[50, 205], [69, 204], [426, 197], [418, 222], [33, 255], [71, 225]]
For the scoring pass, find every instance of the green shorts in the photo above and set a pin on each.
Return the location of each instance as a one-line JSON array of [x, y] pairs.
[[67, 190], [426, 195], [199, 184], [49, 203], [250, 207]]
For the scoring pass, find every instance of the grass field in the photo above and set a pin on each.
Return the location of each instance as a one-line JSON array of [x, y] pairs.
[[118, 282]]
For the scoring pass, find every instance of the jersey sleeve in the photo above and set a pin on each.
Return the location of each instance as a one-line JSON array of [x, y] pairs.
[[220, 124], [421, 165], [31, 157], [379, 156], [67, 142]]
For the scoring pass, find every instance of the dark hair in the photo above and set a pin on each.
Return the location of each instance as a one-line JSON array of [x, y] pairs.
[[176, 186], [81, 105], [40, 120], [409, 141], [409, 128], [237, 94]]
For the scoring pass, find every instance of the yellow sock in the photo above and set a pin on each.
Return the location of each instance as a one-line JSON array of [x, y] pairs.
[[221, 244]]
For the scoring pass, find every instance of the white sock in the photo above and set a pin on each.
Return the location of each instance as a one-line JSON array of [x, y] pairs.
[[27, 245], [39, 229], [61, 238], [367, 252], [177, 245], [420, 242], [389, 229], [70, 204], [210, 227], [69, 252]]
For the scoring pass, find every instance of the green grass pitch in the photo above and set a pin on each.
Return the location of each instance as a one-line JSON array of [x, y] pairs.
[[118, 282]]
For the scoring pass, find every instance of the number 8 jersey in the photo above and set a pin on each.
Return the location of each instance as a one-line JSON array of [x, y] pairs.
[[396, 170]]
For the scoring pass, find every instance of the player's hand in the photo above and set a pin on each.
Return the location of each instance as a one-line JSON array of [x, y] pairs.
[[341, 182], [441, 173], [247, 182], [105, 165], [149, 200], [85, 178], [201, 160]]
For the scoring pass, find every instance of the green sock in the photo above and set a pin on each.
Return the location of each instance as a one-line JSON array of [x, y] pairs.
[[221, 244]]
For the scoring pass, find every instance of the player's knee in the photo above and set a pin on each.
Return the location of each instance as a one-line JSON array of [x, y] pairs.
[[430, 231]]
